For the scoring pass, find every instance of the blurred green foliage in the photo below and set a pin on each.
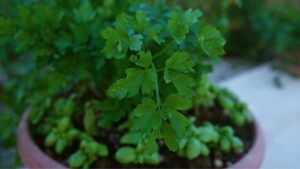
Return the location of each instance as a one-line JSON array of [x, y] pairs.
[[263, 30], [37, 26], [60, 56], [256, 30]]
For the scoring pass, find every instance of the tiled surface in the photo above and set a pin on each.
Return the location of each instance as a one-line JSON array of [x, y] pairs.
[[228, 68], [277, 110]]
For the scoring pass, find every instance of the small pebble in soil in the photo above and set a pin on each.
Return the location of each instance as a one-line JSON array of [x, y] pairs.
[[161, 142], [238, 151], [218, 163], [226, 112]]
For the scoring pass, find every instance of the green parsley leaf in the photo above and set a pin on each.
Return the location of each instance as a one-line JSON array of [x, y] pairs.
[[194, 148], [149, 78], [155, 33], [191, 16], [177, 70], [125, 155], [130, 86], [116, 43], [151, 145], [177, 28], [90, 122], [6, 30], [211, 42], [131, 138], [110, 111], [61, 145], [51, 139], [85, 13], [169, 136], [125, 22], [180, 62], [143, 59], [179, 122], [63, 41], [177, 102], [208, 134], [225, 145], [179, 24], [147, 106], [77, 159], [142, 21], [153, 159], [236, 143], [135, 42], [148, 122], [81, 33]]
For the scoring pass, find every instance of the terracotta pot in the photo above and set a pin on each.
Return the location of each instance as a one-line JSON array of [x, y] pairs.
[[31, 155], [34, 157], [254, 157]]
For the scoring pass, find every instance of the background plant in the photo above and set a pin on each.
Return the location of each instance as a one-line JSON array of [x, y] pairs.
[[255, 30], [265, 30], [24, 25]]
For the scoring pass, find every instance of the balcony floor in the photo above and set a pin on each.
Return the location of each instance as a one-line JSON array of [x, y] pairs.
[[276, 109]]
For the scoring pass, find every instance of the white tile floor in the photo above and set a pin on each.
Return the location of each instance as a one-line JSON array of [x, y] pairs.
[[277, 110]]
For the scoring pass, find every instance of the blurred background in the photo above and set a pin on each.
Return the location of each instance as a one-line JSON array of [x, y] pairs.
[[258, 33]]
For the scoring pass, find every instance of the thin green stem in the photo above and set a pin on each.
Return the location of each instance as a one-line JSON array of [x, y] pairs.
[[162, 51], [160, 69], [156, 90]]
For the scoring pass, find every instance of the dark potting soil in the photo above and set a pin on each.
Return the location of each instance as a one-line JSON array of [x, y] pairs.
[[216, 159]]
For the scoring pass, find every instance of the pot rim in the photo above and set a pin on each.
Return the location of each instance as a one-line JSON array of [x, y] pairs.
[[38, 158], [255, 153], [25, 143]]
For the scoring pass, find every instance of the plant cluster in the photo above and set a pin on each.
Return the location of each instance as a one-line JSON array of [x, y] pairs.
[[138, 72]]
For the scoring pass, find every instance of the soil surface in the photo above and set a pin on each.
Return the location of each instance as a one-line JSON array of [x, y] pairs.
[[216, 159]]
